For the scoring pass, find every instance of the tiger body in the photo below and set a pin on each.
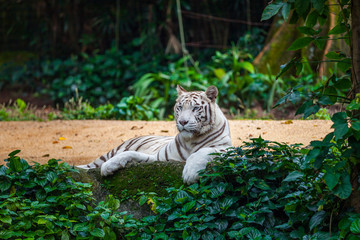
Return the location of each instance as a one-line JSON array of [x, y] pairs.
[[203, 129]]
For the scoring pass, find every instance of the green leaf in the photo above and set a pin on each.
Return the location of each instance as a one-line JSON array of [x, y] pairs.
[[41, 221], [343, 189], [246, 65], [302, 7], [97, 232], [331, 178], [21, 104], [285, 67], [320, 42], [65, 235], [356, 125], [285, 11], [317, 219], [340, 130], [318, 5], [335, 55], [6, 234], [354, 105], [355, 226], [343, 84], [312, 19], [311, 110], [271, 10], [339, 118], [344, 64], [293, 176], [307, 30], [338, 29], [300, 43], [13, 153], [143, 200], [51, 177], [4, 185], [6, 219], [188, 206]]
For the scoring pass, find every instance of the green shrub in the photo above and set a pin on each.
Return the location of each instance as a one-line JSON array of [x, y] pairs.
[[129, 108], [98, 78], [21, 111], [264, 190], [44, 202]]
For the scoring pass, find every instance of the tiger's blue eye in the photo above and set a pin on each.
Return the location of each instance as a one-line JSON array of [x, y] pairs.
[[196, 108]]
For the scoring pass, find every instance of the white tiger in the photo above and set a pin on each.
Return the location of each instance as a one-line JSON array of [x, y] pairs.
[[203, 129]]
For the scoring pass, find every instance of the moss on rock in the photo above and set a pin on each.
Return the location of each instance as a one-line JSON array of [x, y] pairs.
[[136, 177]]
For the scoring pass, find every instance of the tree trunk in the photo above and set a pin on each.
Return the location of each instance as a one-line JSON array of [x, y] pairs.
[[355, 15], [355, 24], [275, 52]]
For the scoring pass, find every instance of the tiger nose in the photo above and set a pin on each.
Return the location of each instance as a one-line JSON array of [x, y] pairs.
[[183, 122]]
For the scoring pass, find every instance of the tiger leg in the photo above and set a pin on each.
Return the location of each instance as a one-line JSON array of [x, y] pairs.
[[120, 160], [196, 162]]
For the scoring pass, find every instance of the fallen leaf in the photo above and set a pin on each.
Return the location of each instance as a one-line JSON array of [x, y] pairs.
[[287, 122], [46, 155], [54, 142], [67, 147], [250, 135], [258, 128], [62, 138], [315, 125], [136, 127], [165, 131], [264, 132]]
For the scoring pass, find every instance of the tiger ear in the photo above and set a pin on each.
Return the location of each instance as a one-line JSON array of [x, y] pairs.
[[212, 93], [180, 90]]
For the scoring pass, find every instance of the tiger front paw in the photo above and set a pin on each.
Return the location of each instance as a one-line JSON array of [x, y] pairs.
[[190, 174], [109, 168]]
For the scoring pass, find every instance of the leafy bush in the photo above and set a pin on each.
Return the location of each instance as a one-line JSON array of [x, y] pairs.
[[98, 78], [264, 190], [20, 111], [129, 108], [44, 202]]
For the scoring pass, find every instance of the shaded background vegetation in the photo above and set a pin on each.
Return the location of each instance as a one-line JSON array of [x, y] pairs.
[[52, 51]]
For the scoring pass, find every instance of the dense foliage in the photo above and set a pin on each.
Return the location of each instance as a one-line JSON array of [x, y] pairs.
[[44, 202], [341, 87], [262, 190]]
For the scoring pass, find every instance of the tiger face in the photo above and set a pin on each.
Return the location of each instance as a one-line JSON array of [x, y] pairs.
[[195, 111]]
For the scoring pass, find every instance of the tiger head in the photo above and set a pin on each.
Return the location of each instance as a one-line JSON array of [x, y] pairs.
[[195, 111]]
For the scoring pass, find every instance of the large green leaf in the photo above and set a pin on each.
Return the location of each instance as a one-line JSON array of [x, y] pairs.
[[271, 9], [188, 206], [317, 219], [340, 130], [318, 5], [338, 29], [6, 219], [285, 67], [331, 178], [4, 185], [97, 232], [300, 43], [343, 189], [355, 226], [293, 176], [285, 11], [302, 7]]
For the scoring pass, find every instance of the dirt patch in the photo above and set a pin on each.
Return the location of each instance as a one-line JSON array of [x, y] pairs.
[[80, 142]]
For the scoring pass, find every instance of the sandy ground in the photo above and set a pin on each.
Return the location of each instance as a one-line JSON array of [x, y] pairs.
[[80, 142]]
